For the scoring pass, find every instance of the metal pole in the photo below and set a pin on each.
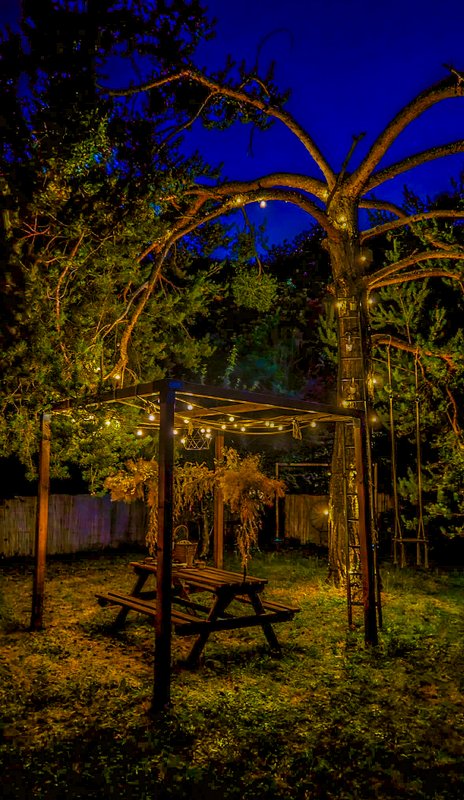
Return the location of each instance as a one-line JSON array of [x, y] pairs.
[[41, 528], [218, 505], [162, 679]]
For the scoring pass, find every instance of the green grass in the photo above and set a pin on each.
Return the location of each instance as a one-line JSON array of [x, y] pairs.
[[330, 719]]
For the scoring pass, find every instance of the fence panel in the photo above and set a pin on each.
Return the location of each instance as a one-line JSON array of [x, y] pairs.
[[305, 519], [76, 523]]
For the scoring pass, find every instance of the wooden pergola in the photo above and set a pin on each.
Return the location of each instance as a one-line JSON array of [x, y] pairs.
[[175, 408]]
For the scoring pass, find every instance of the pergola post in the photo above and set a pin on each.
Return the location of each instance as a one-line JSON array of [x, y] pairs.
[[218, 505], [41, 526], [162, 678], [365, 534]]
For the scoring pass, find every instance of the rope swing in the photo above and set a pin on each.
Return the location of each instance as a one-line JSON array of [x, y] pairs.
[[399, 540]]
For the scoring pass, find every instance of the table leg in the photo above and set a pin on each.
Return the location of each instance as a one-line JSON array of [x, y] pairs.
[[217, 610], [268, 630], [138, 586]]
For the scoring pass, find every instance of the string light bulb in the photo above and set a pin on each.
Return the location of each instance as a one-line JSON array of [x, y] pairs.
[[263, 204]]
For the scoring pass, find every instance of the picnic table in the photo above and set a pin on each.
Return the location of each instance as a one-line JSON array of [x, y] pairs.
[[234, 601]]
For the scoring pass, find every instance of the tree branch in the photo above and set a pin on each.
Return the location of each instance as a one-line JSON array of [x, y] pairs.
[[288, 179], [383, 338], [240, 96], [419, 274], [391, 269], [444, 89], [404, 221], [413, 161]]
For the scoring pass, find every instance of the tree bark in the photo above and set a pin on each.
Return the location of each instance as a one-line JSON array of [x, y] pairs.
[[349, 262]]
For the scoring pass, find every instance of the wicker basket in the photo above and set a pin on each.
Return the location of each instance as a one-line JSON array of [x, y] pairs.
[[184, 550]]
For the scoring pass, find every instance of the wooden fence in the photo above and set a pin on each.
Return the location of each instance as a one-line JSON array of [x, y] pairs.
[[306, 517], [76, 523]]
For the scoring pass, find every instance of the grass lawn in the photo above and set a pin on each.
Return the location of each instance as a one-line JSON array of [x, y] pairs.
[[330, 719]]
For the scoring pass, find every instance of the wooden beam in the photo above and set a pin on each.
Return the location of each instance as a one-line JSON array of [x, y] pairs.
[[41, 528], [162, 678], [218, 505], [365, 534]]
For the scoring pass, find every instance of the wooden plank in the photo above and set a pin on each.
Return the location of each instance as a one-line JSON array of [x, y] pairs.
[[269, 605], [41, 533], [218, 509], [230, 623], [162, 660]]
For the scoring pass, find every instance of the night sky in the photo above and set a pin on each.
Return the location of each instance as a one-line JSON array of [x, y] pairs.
[[351, 65]]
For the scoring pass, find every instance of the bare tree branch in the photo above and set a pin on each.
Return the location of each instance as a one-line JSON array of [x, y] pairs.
[[444, 89], [393, 269], [383, 338], [276, 179], [405, 220], [380, 275], [413, 161], [240, 96], [419, 274]]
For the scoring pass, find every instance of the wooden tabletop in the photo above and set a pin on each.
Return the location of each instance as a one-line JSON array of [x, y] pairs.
[[208, 578]]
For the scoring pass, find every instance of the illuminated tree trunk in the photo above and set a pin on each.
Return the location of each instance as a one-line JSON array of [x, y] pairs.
[[349, 261]]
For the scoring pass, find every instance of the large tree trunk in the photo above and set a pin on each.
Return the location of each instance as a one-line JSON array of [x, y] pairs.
[[348, 263]]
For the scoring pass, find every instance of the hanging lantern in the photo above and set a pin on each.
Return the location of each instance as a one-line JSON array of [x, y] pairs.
[[197, 439]]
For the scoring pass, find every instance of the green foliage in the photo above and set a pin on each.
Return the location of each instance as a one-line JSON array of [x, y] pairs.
[[84, 181], [424, 321], [255, 290]]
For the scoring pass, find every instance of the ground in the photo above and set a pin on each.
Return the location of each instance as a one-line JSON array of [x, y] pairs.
[[331, 719]]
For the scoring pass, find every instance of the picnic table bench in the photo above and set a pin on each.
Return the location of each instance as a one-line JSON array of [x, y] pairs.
[[231, 593]]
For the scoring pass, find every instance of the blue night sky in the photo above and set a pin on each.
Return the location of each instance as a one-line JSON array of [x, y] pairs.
[[351, 65]]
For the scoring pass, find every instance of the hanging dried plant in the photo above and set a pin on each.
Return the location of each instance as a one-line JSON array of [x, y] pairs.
[[245, 489]]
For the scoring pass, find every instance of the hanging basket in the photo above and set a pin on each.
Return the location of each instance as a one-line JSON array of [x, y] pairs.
[[184, 550]]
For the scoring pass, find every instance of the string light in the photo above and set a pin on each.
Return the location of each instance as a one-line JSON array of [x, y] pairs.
[[140, 432], [107, 422], [263, 204], [243, 428], [151, 417], [190, 407], [231, 419], [223, 427], [313, 423]]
